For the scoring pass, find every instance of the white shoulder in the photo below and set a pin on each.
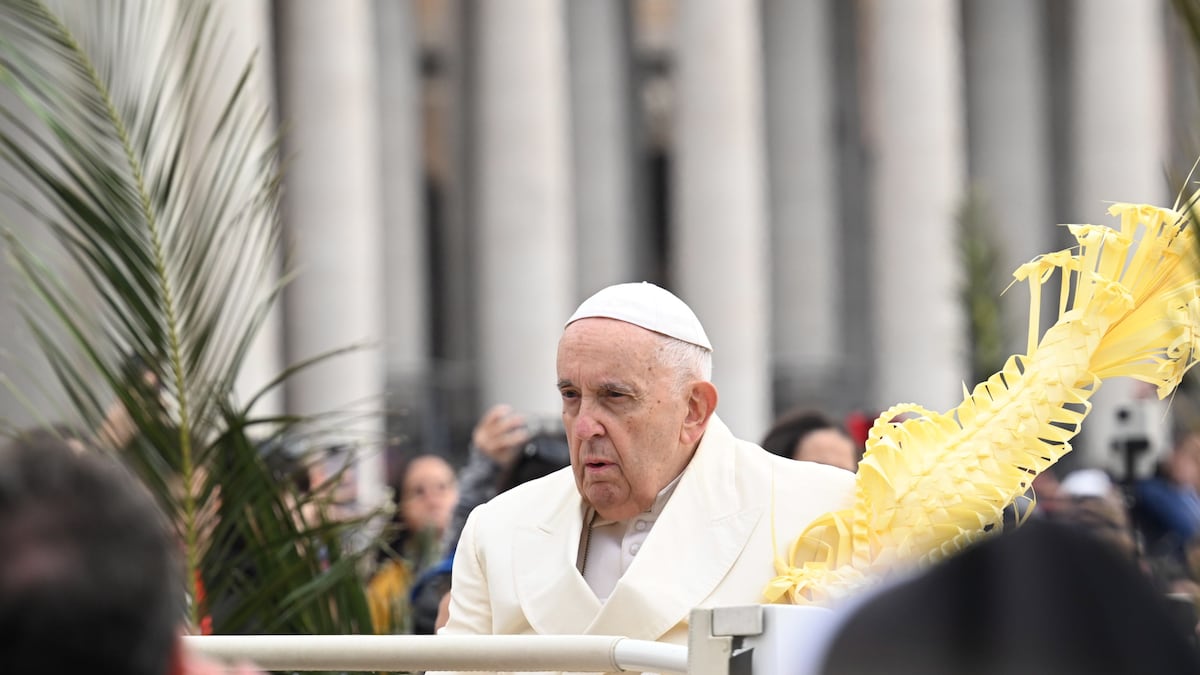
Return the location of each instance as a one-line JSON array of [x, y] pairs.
[[548, 489]]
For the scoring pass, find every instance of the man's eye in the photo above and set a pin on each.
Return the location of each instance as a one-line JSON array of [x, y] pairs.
[[569, 394], [615, 394]]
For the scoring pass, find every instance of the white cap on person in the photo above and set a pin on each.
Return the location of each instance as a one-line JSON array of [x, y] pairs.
[[646, 305], [1087, 483]]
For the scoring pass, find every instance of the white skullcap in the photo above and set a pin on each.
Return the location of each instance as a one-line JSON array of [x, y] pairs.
[[1087, 483], [646, 305]]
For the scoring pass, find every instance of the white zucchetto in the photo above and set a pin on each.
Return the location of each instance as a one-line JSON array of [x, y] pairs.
[[646, 305]]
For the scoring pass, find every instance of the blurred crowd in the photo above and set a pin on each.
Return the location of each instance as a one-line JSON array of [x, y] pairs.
[[409, 589], [1154, 522]]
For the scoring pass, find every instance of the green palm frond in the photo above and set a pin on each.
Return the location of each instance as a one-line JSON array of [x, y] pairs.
[[171, 217], [982, 280]]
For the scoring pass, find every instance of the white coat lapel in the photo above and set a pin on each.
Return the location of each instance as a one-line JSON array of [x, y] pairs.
[[553, 595], [694, 543]]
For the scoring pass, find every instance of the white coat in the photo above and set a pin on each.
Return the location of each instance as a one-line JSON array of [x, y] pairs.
[[735, 508]]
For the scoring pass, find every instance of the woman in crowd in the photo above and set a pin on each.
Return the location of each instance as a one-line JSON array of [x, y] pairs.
[[425, 497]]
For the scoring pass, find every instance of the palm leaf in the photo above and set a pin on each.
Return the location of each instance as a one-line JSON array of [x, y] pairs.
[[172, 219], [1129, 306]]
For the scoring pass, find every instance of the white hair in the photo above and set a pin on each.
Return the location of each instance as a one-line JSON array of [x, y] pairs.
[[688, 361]]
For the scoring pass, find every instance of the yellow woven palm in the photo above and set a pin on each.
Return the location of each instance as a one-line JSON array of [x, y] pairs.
[[931, 485]]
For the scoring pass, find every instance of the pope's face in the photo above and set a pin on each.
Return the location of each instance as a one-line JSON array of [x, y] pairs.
[[624, 414]]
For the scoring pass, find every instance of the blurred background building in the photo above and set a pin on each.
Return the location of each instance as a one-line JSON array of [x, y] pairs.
[[808, 174]]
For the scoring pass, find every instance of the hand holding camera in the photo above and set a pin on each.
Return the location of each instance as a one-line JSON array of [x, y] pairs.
[[500, 433]]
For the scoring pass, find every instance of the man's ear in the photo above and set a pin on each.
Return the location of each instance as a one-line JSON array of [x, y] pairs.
[[702, 401]]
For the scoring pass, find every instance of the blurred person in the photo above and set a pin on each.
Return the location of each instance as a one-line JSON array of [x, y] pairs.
[[90, 580], [1047, 492], [1167, 506], [331, 470], [443, 612], [811, 436], [429, 594], [504, 441], [145, 389], [53, 434], [425, 497], [662, 510], [1174, 581], [1044, 598], [507, 449], [428, 493], [1192, 559], [1092, 503]]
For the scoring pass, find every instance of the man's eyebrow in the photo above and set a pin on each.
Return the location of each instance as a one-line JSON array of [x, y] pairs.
[[612, 385], [619, 387]]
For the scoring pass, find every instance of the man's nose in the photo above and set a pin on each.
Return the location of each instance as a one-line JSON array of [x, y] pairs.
[[586, 423]]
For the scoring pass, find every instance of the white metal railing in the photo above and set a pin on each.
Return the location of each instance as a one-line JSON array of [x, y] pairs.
[[581, 653]]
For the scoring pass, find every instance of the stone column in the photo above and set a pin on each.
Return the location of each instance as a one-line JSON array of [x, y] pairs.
[[446, 41], [1011, 163], [718, 257], [805, 247], [856, 277], [606, 216], [248, 26], [914, 116], [406, 251], [328, 96], [1118, 137], [522, 190]]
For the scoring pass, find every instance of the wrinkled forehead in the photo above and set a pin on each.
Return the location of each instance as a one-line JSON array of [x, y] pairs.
[[607, 349], [598, 335]]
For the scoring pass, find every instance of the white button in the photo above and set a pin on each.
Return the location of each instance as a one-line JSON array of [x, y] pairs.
[[640, 526], [634, 549]]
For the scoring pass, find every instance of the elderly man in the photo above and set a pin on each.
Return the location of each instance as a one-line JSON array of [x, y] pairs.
[[662, 510]]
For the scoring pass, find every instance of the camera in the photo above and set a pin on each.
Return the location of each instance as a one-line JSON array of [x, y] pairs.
[[1131, 439], [543, 425]]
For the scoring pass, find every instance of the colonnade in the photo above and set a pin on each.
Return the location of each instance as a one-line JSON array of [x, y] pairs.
[[449, 200]]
